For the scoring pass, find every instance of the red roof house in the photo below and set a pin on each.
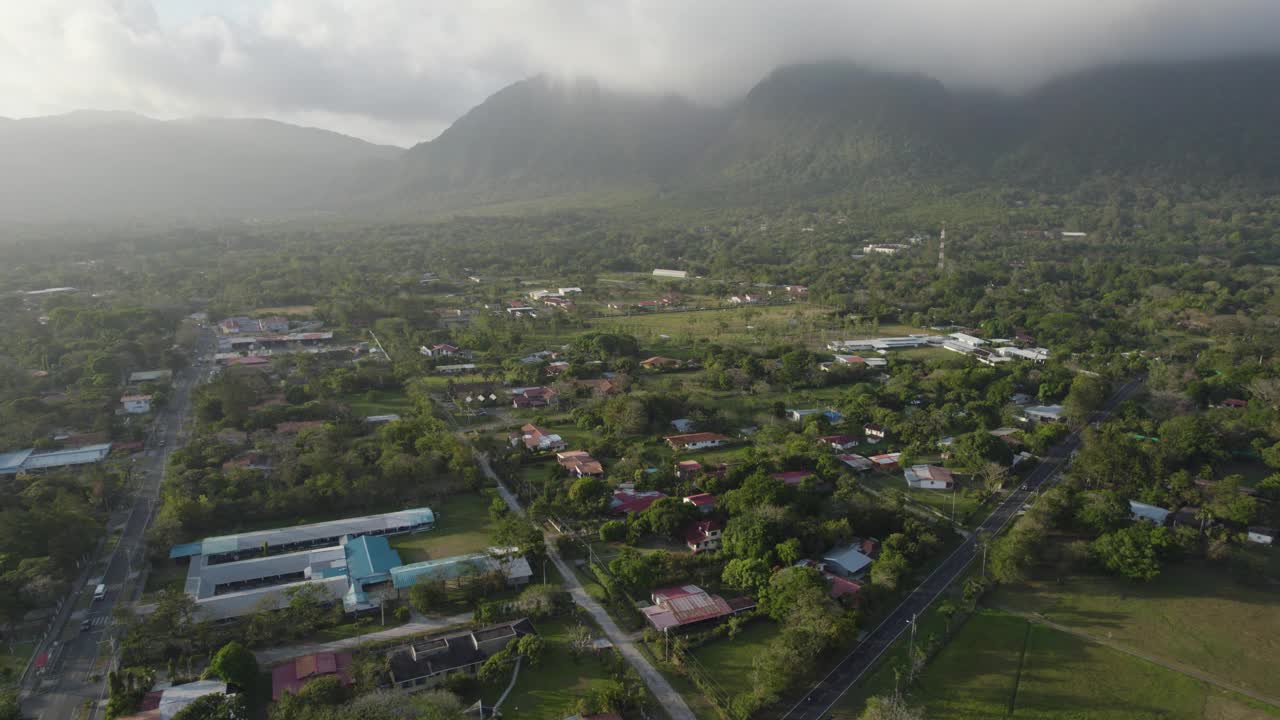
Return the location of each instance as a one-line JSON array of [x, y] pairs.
[[627, 502], [703, 536], [290, 677], [793, 477], [838, 442], [705, 502]]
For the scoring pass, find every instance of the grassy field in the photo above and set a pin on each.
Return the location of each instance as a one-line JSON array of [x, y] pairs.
[[377, 402], [1002, 666], [550, 689], [1192, 614], [462, 526], [729, 662], [764, 325]]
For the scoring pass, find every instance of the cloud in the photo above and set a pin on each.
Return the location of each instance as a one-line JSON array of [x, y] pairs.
[[401, 70]]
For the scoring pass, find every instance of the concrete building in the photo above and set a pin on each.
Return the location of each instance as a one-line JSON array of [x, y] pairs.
[[28, 461], [136, 404], [430, 661], [929, 477], [675, 274]]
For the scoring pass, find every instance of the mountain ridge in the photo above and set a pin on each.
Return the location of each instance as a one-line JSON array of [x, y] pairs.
[[804, 130]]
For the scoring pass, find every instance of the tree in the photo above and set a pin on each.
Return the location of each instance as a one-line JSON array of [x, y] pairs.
[[1134, 551], [746, 574], [787, 587], [974, 450], [235, 665], [9, 707], [213, 707], [326, 690], [1087, 394], [668, 516], [890, 707], [531, 648], [948, 610], [613, 531], [1013, 555], [427, 594], [1103, 512], [589, 495], [788, 551]]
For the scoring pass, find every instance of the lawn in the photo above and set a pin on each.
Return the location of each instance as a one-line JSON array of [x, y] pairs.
[[462, 526], [302, 310], [893, 483], [729, 662], [1002, 666], [1192, 613], [553, 687], [165, 574], [377, 402], [763, 325]]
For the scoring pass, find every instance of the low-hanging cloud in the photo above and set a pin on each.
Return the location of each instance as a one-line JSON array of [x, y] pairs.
[[401, 70]]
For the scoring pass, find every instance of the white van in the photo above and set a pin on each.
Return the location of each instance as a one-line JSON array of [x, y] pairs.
[[100, 592]]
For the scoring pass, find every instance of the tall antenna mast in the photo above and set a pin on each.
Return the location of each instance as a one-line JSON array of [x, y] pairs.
[[942, 250]]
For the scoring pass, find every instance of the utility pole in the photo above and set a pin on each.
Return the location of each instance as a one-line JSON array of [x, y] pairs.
[[911, 652]]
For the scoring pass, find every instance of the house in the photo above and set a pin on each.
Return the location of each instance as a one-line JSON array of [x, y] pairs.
[[1148, 513], [688, 469], [1021, 399], [799, 415], [146, 376], [1042, 413], [680, 607], [676, 274], [533, 397], [136, 404], [535, 439], [929, 477], [657, 362], [570, 290], [440, 351], [1009, 436], [557, 302], [873, 432], [744, 299], [885, 462], [858, 360], [164, 704], [857, 462], [456, 369], [541, 294], [967, 340], [296, 426], [1261, 535], [848, 561], [838, 442], [630, 501], [382, 419], [555, 368], [599, 387], [291, 676], [839, 587], [252, 460], [793, 477], [682, 425], [1235, 403], [795, 289], [430, 661], [705, 502], [579, 463], [703, 536], [695, 441]]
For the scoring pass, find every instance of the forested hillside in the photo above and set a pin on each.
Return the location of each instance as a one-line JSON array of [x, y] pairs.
[[803, 132]]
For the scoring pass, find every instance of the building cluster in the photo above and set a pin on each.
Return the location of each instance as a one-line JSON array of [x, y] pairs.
[[350, 560]]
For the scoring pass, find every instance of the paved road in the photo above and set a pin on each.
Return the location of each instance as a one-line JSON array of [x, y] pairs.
[[817, 703], [67, 684], [666, 695]]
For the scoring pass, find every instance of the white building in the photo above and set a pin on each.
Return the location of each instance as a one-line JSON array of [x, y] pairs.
[[136, 404], [929, 477], [1043, 413], [1035, 355], [1261, 535], [969, 340], [1148, 513], [570, 290], [677, 274]]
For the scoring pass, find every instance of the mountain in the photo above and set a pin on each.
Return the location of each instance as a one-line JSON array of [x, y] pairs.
[[822, 127], [802, 131], [91, 165], [545, 137]]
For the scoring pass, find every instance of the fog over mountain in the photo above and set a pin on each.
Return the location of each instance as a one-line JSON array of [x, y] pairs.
[[401, 71], [802, 131]]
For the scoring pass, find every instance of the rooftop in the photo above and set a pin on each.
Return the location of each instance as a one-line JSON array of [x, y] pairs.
[[299, 534]]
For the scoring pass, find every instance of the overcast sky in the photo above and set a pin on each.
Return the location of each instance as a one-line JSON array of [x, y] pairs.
[[399, 71]]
